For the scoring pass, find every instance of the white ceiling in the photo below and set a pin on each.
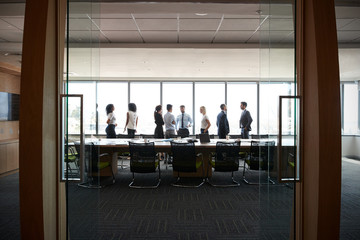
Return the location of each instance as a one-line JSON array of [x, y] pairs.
[[139, 41]]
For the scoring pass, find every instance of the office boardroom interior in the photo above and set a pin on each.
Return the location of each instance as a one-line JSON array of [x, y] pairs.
[[180, 53]]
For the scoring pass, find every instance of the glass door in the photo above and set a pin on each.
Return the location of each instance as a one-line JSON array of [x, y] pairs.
[[276, 149], [80, 171]]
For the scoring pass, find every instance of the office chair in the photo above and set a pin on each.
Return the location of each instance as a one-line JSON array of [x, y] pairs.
[[261, 158], [143, 159], [185, 160], [94, 166], [226, 160]]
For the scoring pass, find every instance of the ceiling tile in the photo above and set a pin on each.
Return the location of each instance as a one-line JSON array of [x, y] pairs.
[[6, 26], [353, 26], [278, 25], [239, 24], [348, 36], [199, 24], [123, 36], [157, 24], [207, 16], [117, 24], [86, 37], [156, 16], [196, 36], [232, 36], [159, 36], [81, 25], [17, 22], [11, 35], [342, 22], [270, 37]]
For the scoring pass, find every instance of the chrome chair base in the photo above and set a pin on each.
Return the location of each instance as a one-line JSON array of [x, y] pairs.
[[177, 184], [131, 185], [236, 183]]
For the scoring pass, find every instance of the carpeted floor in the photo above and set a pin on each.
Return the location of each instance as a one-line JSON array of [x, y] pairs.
[[246, 212]]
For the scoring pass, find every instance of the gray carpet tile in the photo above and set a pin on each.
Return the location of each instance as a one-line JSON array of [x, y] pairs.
[[246, 212]]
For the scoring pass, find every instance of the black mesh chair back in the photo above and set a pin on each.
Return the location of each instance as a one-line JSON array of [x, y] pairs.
[[184, 157], [262, 155], [227, 156], [142, 157], [91, 156]]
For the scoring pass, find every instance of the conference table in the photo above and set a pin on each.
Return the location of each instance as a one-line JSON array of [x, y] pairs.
[[120, 145]]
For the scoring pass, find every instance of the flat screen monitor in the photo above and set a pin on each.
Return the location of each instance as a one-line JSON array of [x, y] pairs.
[[9, 106]]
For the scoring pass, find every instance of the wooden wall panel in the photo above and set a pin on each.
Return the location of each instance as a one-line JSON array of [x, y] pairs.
[[9, 130], [3, 162]]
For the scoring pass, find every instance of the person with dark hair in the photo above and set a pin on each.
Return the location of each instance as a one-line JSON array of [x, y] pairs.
[[245, 121], [169, 120], [222, 122], [131, 120], [111, 121], [183, 122], [159, 121]]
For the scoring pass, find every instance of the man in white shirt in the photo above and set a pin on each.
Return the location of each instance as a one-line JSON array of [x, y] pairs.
[[183, 122], [169, 120]]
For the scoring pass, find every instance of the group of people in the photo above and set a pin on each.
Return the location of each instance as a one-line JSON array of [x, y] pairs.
[[180, 125]]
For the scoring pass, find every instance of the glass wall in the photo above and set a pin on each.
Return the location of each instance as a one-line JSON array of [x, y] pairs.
[[88, 90], [115, 93], [351, 109], [210, 95], [178, 94], [147, 95], [237, 93]]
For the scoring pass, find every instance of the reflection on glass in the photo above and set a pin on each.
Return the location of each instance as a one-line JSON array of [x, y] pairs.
[[146, 96], [241, 92], [87, 89], [178, 94], [351, 109], [269, 105], [117, 94], [210, 95]]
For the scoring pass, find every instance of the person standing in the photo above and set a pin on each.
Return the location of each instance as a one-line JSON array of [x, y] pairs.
[[205, 122], [131, 120], [159, 121], [111, 121], [245, 121], [222, 122], [183, 122], [169, 120]]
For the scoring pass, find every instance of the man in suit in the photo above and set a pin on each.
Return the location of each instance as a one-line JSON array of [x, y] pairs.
[[245, 121], [222, 122]]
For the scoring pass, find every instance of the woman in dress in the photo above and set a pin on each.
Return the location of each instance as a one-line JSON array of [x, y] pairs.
[[131, 120], [111, 121], [205, 122], [159, 121]]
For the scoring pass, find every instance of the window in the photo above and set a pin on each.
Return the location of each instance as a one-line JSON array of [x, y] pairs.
[[87, 89], [146, 96], [210, 95], [269, 105], [178, 94], [117, 94], [241, 92], [351, 109]]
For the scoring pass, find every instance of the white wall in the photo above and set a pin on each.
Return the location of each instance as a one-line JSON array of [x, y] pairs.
[[351, 146]]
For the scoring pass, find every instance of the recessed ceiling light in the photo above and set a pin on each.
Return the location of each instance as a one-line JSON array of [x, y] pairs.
[[201, 14]]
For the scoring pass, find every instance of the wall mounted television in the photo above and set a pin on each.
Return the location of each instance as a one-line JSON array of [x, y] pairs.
[[9, 106]]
